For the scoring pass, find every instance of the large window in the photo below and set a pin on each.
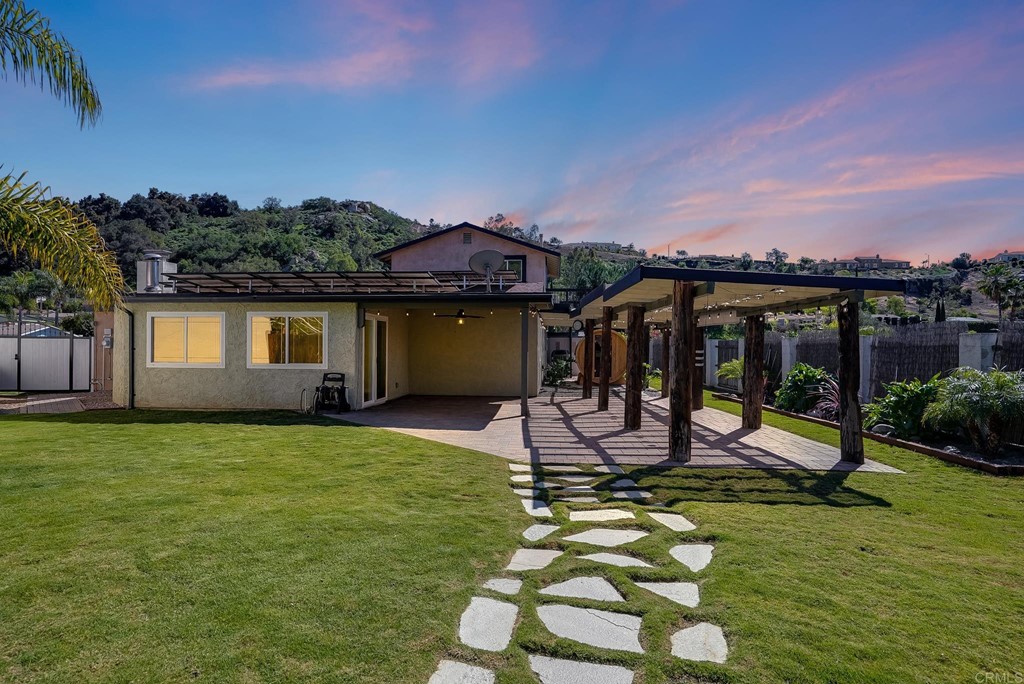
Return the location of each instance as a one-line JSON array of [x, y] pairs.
[[185, 340], [517, 264], [292, 340]]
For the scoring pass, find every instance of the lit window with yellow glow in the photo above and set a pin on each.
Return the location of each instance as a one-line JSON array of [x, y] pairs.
[[186, 340], [296, 340]]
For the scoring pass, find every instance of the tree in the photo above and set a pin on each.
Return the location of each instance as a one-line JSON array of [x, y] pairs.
[[996, 280], [962, 262], [940, 311], [50, 230], [777, 258], [746, 262], [681, 253]]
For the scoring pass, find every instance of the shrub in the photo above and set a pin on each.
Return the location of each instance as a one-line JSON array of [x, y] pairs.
[[982, 404], [797, 392], [556, 371], [903, 407], [827, 395], [651, 373], [731, 370]]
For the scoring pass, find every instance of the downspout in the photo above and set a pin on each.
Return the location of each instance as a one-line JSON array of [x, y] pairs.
[[131, 358]]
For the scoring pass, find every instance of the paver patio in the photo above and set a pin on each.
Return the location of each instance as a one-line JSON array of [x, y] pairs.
[[568, 429]]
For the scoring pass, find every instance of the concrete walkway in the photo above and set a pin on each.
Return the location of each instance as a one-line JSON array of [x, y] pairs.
[[54, 405], [571, 430]]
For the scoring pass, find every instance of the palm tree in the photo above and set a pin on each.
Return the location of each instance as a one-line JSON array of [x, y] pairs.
[[996, 281], [47, 229]]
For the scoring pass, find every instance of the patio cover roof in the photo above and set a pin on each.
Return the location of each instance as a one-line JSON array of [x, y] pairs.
[[338, 282], [726, 296]]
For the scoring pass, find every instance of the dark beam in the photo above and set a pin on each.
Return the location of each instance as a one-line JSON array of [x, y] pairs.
[[697, 380], [680, 402], [524, 362], [605, 375], [851, 439], [634, 367], [587, 366], [753, 372], [666, 359], [647, 343]]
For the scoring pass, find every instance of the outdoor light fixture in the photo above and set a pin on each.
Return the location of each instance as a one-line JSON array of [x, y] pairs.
[[460, 316]]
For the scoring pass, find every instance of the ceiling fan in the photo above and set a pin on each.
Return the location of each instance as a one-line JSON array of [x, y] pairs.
[[461, 315]]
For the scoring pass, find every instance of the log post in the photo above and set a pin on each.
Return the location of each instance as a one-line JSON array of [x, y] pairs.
[[634, 366], [851, 439], [647, 343], [753, 372], [697, 379], [587, 366], [680, 402], [666, 359], [605, 375]]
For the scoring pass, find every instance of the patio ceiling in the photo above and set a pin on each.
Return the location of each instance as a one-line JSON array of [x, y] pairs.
[[727, 296]]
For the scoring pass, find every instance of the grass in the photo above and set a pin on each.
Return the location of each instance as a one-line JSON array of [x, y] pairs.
[[265, 547], [238, 547]]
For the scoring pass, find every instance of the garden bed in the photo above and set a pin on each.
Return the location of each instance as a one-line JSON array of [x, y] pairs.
[[966, 460]]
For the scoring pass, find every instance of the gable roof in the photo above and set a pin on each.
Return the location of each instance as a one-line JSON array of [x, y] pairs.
[[383, 254]]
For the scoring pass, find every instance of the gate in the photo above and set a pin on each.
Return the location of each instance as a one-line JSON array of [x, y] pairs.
[[59, 363], [728, 350]]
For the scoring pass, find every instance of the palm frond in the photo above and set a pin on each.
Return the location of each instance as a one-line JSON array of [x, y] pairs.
[[34, 53], [60, 238]]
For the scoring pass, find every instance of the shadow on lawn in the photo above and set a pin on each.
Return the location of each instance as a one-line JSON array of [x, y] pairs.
[[167, 417]]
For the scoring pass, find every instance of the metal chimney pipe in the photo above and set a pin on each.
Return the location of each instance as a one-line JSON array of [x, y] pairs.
[[155, 260]]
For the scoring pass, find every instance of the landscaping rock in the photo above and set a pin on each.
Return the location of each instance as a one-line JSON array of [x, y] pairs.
[[601, 515], [673, 521], [883, 429], [600, 628], [617, 559], [532, 559], [634, 494], [602, 536], [624, 483], [703, 641], [952, 450], [451, 672], [694, 556], [593, 588], [538, 532], [487, 624], [683, 593], [537, 508], [558, 671], [504, 586], [612, 469], [519, 467]]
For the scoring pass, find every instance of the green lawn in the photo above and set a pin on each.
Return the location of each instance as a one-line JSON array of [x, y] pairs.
[[152, 546]]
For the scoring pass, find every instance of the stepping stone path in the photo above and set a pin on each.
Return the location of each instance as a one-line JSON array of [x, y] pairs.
[[532, 559], [694, 556], [617, 560], [703, 641], [451, 672], [684, 593], [673, 521], [487, 624], [593, 588], [558, 671], [600, 628], [601, 515], [504, 586], [538, 532]]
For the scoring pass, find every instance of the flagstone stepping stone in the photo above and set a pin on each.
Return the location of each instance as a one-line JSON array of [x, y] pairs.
[[519, 467], [532, 559], [537, 508], [694, 556], [684, 593], [525, 479], [504, 586], [602, 536], [578, 479], [673, 521], [612, 469], [451, 672], [487, 624], [558, 671], [527, 492], [636, 494], [703, 641], [601, 515], [561, 468], [617, 559], [538, 532], [624, 483], [547, 485], [594, 588], [577, 489], [578, 499], [600, 628]]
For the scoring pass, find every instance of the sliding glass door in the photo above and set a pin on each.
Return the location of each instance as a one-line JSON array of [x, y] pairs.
[[375, 360]]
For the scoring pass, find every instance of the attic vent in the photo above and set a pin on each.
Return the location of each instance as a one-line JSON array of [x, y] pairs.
[[467, 238]]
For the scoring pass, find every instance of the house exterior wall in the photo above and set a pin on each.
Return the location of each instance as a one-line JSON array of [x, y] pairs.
[[447, 252], [234, 385]]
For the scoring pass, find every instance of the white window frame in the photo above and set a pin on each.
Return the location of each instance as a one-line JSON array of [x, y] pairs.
[[286, 315], [150, 363]]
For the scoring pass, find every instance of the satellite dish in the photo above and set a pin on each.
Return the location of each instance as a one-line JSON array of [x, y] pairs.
[[577, 326], [486, 262]]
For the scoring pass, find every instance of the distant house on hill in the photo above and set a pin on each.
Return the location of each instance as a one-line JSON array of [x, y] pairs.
[[869, 263], [1007, 256], [599, 246]]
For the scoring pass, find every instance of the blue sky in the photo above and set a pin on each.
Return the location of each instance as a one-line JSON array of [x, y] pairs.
[[717, 127]]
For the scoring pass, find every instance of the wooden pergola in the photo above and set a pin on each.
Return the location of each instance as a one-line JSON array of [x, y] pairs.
[[681, 301]]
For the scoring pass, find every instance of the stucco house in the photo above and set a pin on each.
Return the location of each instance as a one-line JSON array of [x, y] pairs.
[[429, 326]]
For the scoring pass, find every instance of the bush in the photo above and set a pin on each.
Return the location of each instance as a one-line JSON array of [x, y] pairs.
[[982, 404], [800, 388], [903, 407], [731, 370], [556, 371]]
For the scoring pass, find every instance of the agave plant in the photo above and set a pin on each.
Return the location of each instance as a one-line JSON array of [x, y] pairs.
[[983, 404]]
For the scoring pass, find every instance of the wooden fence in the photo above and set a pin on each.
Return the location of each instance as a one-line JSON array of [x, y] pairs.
[[1011, 343], [819, 348], [914, 351]]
